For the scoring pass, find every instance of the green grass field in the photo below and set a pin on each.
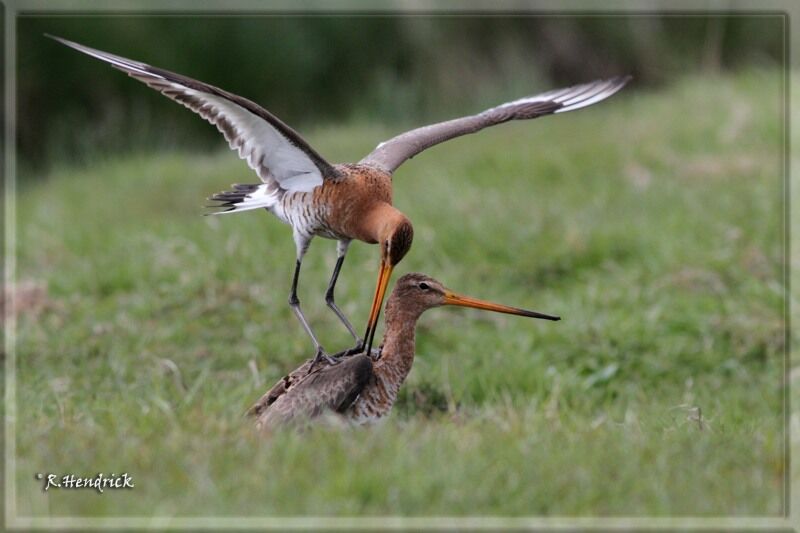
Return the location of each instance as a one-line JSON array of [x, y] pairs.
[[651, 223]]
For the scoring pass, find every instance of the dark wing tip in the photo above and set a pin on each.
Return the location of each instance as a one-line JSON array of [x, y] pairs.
[[65, 42], [621, 81], [587, 94], [128, 66]]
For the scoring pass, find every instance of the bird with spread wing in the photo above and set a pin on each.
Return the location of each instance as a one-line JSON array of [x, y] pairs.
[[336, 201]]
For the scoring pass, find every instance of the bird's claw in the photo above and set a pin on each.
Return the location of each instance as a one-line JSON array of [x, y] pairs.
[[357, 349], [375, 354], [322, 356]]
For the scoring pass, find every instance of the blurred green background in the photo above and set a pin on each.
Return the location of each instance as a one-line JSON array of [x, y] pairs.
[[653, 223], [312, 70]]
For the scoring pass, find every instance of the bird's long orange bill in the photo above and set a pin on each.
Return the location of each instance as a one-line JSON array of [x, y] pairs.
[[380, 291], [451, 298]]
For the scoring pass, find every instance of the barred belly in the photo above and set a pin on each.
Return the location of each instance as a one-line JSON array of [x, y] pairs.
[[374, 402], [307, 217]]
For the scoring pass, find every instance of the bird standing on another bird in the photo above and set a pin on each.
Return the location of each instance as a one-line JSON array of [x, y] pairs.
[[341, 202], [359, 389]]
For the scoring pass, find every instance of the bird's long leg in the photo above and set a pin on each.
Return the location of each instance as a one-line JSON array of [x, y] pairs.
[[329, 294], [294, 303]]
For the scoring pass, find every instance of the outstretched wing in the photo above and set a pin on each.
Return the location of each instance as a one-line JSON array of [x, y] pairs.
[[280, 157], [391, 154], [301, 396]]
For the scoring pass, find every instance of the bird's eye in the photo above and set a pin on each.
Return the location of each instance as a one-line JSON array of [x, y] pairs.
[[424, 286]]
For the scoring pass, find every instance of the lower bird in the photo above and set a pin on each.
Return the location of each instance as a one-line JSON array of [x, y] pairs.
[[359, 389], [336, 201]]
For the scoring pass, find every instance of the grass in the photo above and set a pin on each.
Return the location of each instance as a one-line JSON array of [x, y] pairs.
[[651, 223]]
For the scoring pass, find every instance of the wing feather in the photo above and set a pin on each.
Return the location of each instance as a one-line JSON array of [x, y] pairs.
[[271, 148], [392, 153], [302, 396]]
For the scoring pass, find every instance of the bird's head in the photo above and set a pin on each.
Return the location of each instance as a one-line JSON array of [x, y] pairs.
[[395, 239], [417, 292]]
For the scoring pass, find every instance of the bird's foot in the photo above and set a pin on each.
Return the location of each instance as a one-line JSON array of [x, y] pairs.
[[357, 349], [322, 356]]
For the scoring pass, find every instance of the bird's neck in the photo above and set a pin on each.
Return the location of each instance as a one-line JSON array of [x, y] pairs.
[[378, 224], [397, 354]]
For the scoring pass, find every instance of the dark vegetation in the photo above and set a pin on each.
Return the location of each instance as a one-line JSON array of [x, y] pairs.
[[322, 69]]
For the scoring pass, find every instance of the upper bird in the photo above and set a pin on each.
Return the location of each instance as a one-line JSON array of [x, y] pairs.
[[359, 389], [335, 201]]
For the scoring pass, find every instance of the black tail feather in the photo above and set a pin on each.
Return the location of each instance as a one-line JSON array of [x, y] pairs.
[[229, 199]]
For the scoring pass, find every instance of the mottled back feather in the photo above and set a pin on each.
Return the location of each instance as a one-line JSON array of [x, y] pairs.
[[301, 395]]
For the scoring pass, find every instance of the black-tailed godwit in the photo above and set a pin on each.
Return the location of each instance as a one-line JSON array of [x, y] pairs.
[[336, 201], [359, 388]]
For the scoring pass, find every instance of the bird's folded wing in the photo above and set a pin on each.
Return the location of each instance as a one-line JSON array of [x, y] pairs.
[[331, 388], [274, 150], [391, 154], [279, 389]]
